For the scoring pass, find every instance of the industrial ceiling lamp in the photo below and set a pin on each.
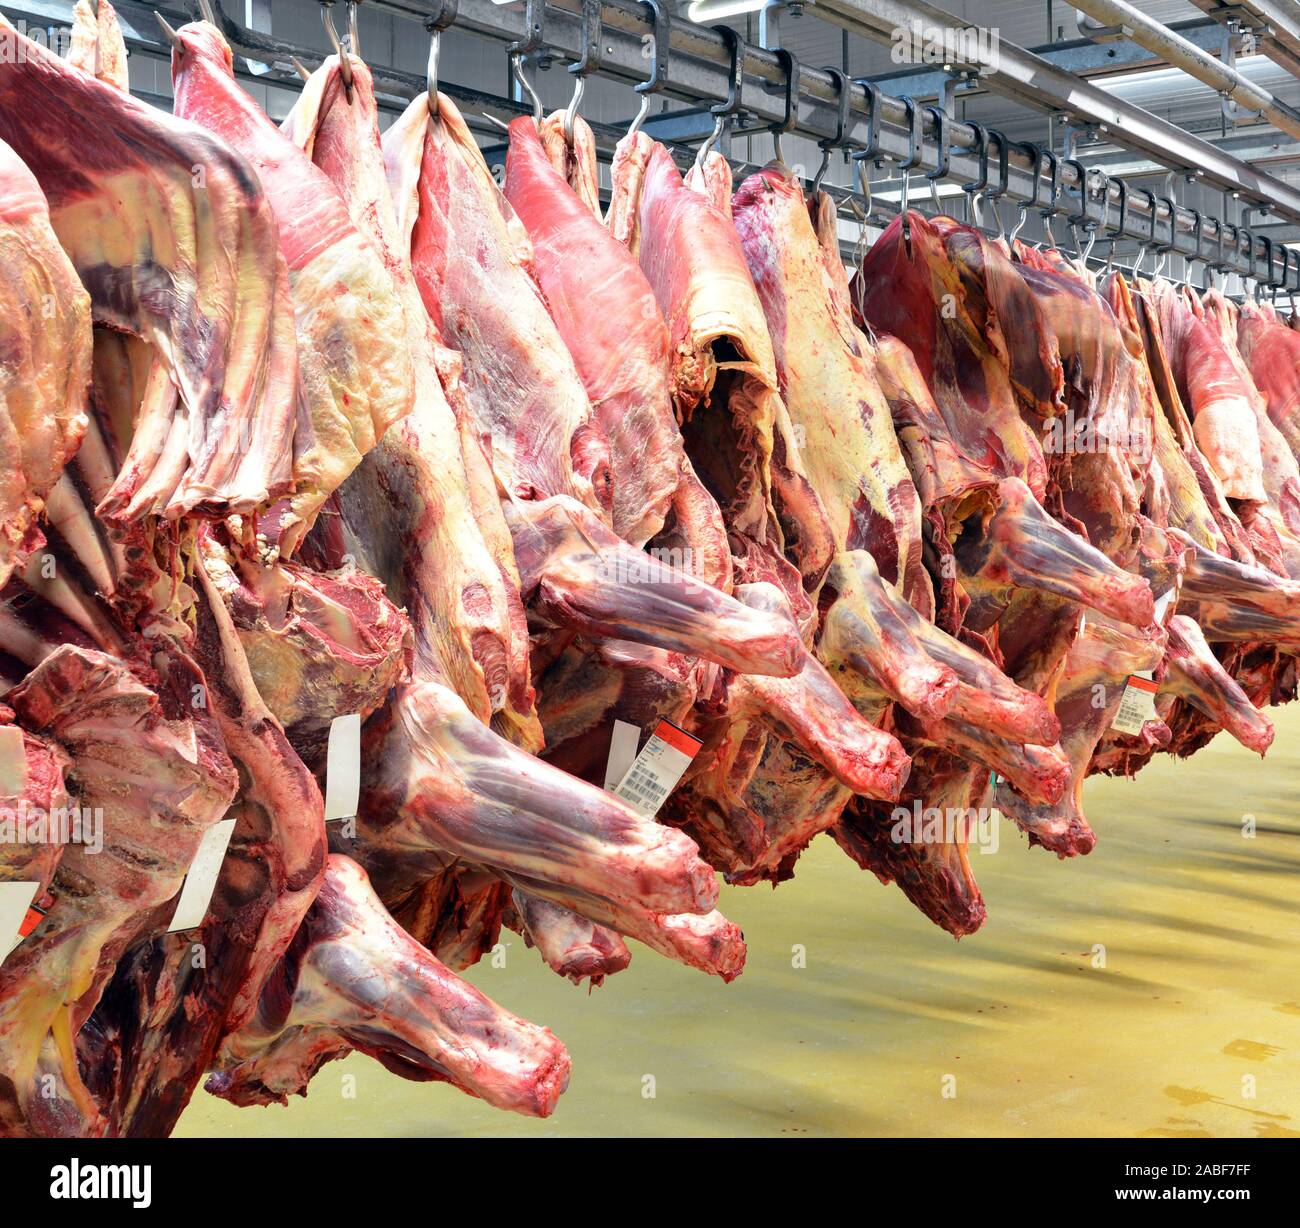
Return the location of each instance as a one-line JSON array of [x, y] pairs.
[[705, 12]]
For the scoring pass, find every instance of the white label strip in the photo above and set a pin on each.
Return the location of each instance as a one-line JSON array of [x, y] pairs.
[[13, 762], [1163, 603], [658, 768], [201, 881], [622, 752], [1137, 705], [343, 767], [15, 900]]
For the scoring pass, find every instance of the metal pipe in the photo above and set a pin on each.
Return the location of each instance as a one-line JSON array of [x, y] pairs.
[[1177, 51]]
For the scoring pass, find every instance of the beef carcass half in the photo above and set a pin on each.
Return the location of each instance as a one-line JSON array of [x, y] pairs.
[[461, 587], [46, 373], [354, 376], [188, 262]]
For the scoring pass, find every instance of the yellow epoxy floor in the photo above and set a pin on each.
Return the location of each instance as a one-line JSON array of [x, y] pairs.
[[1191, 1029]]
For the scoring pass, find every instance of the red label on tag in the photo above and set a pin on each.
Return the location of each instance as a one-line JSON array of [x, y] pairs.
[[33, 918], [1142, 684], [678, 739]]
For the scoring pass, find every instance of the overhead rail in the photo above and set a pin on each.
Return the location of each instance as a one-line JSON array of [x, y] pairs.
[[1274, 24], [697, 66], [1010, 70], [1180, 53]]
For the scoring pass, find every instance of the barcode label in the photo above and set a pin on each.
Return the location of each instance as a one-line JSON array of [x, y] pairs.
[[657, 769], [1137, 705]]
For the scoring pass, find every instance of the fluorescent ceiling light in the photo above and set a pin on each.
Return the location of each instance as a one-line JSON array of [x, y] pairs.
[[716, 10], [1166, 75]]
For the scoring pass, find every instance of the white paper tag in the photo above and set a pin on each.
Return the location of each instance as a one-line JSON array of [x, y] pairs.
[[15, 904], [622, 752], [657, 769], [1163, 603], [343, 767], [1137, 705], [201, 881], [13, 762]]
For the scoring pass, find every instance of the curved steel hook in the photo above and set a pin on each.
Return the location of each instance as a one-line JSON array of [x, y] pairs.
[[588, 62], [435, 24], [977, 185], [942, 154], [659, 53], [790, 64], [1054, 191], [1004, 178], [1020, 224], [535, 19], [870, 149], [864, 183], [345, 64], [829, 144], [517, 67], [915, 146], [722, 111]]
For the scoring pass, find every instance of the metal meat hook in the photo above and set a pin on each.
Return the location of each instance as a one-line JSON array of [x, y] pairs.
[[517, 67], [1020, 224], [436, 23], [829, 144], [658, 63], [722, 111], [915, 145], [535, 17], [588, 62], [345, 64]]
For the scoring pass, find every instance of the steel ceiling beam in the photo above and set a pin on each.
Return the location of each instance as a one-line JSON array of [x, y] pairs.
[[1016, 73], [1193, 60], [1081, 56]]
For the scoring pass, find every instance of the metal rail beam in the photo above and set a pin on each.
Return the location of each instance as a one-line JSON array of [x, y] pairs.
[[699, 70], [1193, 60], [1081, 56], [1016, 73], [1276, 24]]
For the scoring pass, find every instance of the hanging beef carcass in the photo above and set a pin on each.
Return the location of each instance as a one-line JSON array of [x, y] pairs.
[[1271, 350], [45, 318], [724, 382], [354, 378], [187, 261], [1281, 472], [548, 451], [461, 588], [607, 313], [435, 777]]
